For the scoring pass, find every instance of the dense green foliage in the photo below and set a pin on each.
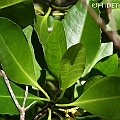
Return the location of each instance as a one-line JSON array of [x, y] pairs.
[[73, 68]]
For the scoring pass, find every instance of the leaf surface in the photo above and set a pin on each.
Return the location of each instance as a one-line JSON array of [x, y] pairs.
[[41, 27], [28, 33], [72, 65], [109, 66], [7, 3], [115, 6], [117, 72], [80, 27], [102, 101], [23, 11], [116, 13], [7, 105], [105, 50], [15, 54], [92, 81], [55, 48]]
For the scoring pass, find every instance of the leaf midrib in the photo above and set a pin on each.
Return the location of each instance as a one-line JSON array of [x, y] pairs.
[[84, 23], [70, 66], [91, 65], [42, 23], [95, 100], [17, 62], [20, 97], [12, 4]]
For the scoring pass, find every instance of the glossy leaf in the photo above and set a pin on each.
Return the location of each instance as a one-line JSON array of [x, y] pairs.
[[23, 11], [7, 105], [108, 66], [42, 28], [105, 50], [72, 65], [80, 27], [7, 3], [92, 81], [15, 54], [28, 33], [55, 48], [102, 101]]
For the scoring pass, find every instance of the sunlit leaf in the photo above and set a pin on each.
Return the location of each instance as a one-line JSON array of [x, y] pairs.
[[105, 50], [92, 81], [81, 27], [15, 54], [108, 66], [42, 28], [102, 101], [55, 48], [72, 65], [28, 33], [101, 98]]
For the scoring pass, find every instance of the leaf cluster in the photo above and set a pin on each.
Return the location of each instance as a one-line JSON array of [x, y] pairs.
[[70, 65]]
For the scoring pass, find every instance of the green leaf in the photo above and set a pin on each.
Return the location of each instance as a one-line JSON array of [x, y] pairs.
[[108, 66], [41, 27], [72, 65], [117, 72], [115, 6], [102, 98], [78, 89], [7, 3], [55, 48], [116, 13], [105, 50], [15, 54], [80, 27], [23, 11], [92, 81], [28, 33], [7, 105]]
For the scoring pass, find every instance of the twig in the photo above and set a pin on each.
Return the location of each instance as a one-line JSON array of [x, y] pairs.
[[41, 113], [10, 89], [111, 17], [112, 35], [25, 97], [21, 109], [30, 105], [113, 26]]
